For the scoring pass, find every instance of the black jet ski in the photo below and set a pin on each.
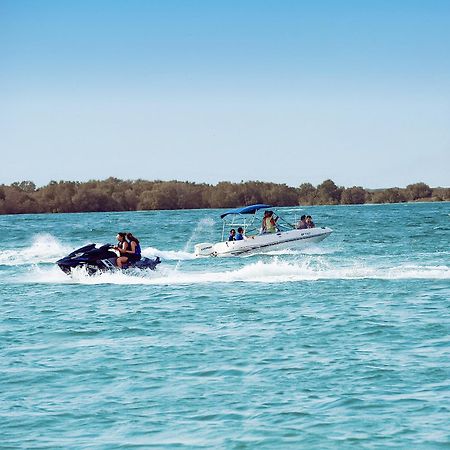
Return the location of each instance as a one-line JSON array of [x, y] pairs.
[[101, 259]]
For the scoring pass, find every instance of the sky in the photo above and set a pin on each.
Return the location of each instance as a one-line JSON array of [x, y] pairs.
[[208, 91]]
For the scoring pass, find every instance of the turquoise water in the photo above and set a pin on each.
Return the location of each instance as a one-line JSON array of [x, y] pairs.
[[343, 345]]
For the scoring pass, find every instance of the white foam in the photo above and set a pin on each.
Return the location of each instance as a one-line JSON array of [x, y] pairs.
[[45, 248], [274, 271], [174, 255], [311, 250], [181, 255]]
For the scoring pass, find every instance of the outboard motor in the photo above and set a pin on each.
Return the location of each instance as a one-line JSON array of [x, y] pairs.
[[204, 249]]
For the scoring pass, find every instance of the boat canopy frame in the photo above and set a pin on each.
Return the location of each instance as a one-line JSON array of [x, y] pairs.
[[241, 217], [251, 209]]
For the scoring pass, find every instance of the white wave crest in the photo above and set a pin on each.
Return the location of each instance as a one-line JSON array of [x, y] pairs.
[[311, 250], [274, 271], [45, 248], [174, 255]]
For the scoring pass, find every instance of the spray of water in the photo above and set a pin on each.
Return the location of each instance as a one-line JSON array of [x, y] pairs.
[[275, 270], [167, 255], [45, 248], [285, 266], [200, 228]]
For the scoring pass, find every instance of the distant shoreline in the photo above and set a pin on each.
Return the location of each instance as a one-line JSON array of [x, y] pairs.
[[114, 194]]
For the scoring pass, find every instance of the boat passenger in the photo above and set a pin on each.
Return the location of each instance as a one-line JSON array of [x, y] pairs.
[[134, 251], [122, 247], [269, 222], [240, 234], [301, 224], [309, 222], [232, 236]]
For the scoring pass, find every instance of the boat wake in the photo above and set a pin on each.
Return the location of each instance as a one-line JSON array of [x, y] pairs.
[[311, 250], [172, 255], [283, 266], [45, 248], [273, 271]]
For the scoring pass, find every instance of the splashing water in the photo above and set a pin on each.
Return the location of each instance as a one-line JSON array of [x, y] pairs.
[[201, 226], [45, 248], [273, 271], [171, 255]]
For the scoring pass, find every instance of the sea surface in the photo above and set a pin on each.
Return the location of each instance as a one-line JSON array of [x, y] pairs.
[[345, 344]]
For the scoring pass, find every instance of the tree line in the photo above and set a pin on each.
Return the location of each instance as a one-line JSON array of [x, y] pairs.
[[114, 194]]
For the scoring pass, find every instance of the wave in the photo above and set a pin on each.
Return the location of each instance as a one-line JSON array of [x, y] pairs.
[[45, 248], [281, 266], [311, 250], [275, 271], [174, 255]]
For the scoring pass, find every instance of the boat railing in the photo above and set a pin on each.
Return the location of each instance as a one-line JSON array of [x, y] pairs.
[[235, 222]]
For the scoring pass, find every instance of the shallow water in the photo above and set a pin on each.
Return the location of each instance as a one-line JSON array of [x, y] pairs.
[[344, 344]]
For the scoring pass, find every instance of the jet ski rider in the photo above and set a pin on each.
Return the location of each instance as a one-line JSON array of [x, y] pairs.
[[131, 250], [122, 246], [134, 249]]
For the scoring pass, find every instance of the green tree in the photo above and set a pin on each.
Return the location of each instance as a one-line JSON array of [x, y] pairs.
[[25, 186], [392, 195], [329, 193], [307, 194], [114, 194], [354, 195], [418, 190]]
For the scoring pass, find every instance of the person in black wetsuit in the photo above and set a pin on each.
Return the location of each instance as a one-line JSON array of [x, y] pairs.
[[134, 249], [122, 246]]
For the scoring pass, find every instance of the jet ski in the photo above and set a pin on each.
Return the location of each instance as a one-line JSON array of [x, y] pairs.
[[101, 259]]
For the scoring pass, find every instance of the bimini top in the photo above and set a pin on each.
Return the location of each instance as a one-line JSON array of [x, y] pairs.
[[246, 209]]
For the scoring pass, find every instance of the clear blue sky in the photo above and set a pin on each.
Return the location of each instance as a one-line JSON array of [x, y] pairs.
[[283, 91]]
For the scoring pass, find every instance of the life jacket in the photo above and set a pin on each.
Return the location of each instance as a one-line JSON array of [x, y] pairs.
[[269, 226], [137, 249], [122, 244]]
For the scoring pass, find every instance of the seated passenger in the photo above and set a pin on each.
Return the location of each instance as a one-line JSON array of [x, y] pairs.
[[232, 236], [122, 246], [301, 224], [269, 222], [134, 249], [309, 222], [240, 234]]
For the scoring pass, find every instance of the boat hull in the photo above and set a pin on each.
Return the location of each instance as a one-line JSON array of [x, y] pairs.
[[292, 239]]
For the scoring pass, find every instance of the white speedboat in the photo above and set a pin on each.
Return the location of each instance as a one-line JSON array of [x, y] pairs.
[[286, 236]]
